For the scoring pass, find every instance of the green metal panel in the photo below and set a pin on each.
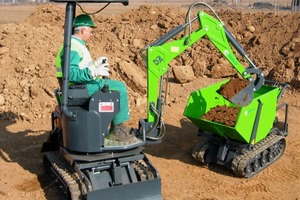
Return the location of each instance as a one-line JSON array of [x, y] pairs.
[[201, 101]]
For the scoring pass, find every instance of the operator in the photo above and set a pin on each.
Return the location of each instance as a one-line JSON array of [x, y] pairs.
[[83, 70]]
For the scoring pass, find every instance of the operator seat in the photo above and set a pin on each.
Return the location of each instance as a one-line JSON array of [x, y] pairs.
[[77, 94], [86, 130]]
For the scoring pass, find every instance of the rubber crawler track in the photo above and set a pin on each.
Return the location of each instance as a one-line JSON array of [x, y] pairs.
[[65, 172], [273, 143], [199, 151], [142, 170]]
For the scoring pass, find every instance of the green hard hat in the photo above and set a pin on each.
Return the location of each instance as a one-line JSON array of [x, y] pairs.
[[83, 20]]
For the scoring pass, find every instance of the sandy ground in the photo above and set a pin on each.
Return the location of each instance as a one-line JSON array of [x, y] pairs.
[[25, 115]]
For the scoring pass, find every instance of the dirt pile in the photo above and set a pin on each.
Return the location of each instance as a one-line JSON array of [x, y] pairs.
[[222, 114], [28, 51]]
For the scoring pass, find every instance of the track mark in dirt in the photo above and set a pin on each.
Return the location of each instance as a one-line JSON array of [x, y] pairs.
[[29, 185], [252, 186]]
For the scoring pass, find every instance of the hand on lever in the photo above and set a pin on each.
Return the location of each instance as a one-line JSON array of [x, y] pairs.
[[100, 70], [101, 60]]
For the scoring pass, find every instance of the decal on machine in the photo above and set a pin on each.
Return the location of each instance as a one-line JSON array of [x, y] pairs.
[[106, 106]]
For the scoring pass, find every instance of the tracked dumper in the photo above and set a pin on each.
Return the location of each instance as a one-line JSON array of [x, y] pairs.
[[256, 140]]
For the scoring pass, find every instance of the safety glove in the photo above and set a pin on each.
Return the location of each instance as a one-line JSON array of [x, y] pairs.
[[100, 70], [101, 60]]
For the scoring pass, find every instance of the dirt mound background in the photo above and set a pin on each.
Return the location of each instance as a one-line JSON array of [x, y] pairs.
[[28, 51], [27, 80]]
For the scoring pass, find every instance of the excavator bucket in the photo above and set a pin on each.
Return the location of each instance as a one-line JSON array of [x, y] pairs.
[[243, 97], [238, 91]]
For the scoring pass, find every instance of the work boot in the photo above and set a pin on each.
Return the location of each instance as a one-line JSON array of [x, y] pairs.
[[121, 133]]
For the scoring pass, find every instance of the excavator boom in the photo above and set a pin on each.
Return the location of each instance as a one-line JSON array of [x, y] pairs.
[[163, 51]]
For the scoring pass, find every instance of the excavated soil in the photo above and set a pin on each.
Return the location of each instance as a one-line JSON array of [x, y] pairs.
[[28, 46], [233, 87], [222, 114]]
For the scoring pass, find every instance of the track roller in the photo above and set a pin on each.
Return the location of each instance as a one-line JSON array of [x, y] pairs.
[[199, 151], [264, 153]]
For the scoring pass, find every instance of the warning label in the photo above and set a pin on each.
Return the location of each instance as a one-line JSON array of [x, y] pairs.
[[106, 106]]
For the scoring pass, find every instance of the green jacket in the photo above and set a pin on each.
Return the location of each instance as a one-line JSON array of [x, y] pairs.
[[80, 62]]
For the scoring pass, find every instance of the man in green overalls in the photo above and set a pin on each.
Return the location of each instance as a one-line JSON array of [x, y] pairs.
[[84, 70]]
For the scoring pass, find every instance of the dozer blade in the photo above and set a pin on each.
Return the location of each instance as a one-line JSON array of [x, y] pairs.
[[244, 97]]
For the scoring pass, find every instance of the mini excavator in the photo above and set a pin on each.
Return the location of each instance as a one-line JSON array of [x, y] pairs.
[[77, 157], [83, 165]]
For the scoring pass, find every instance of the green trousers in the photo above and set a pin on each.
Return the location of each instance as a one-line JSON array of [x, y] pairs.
[[97, 84]]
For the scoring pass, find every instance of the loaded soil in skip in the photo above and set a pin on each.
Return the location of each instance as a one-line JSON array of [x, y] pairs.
[[223, 115]]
